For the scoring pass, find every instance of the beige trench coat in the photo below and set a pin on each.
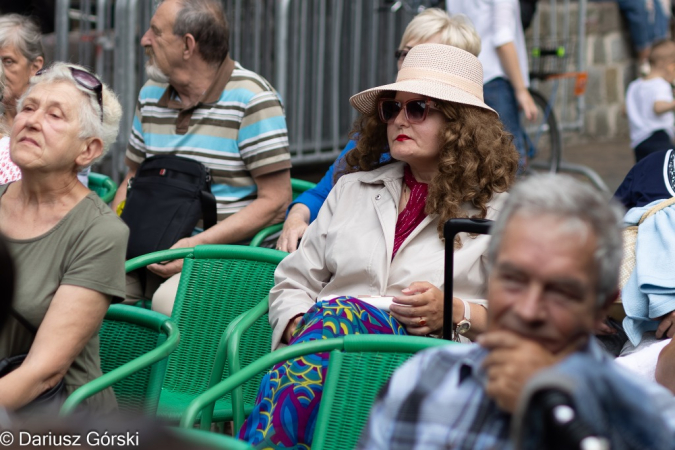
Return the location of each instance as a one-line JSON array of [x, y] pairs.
[[347, 250]]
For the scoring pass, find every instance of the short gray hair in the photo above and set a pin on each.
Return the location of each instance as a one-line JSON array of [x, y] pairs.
[[90, 112], [23, 33], [206, 21], [576, 204]]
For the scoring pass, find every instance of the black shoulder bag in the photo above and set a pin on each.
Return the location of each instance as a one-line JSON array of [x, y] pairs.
[[165, 200], [51, 397]]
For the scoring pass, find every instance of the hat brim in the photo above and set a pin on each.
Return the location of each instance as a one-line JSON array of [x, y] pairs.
[[364, 102]]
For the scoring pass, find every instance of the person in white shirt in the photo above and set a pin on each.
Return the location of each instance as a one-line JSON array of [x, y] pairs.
[[650, 104], [504, 60]]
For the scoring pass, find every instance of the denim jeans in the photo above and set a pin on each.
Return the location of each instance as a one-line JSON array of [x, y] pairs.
[[645, 26], [499, 95]]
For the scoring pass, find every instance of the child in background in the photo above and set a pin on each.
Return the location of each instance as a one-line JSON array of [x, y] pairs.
[[650, 105]]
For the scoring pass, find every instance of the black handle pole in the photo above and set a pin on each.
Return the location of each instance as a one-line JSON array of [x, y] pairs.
[[450, 230]]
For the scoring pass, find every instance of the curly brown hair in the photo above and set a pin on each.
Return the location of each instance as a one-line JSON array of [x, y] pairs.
[[477, 160]]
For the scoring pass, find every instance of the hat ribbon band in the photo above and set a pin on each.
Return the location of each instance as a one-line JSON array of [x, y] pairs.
[[409, 73]]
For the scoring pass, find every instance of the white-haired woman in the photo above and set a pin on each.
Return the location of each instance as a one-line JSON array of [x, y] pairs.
[[68, 246]]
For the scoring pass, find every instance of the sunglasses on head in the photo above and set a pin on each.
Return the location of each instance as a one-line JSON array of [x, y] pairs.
[[87, 80], [416, 110]]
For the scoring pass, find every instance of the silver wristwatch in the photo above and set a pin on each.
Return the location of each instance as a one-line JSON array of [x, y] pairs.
[[463, 325]]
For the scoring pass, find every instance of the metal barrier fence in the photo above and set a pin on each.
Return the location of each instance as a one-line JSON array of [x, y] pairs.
[[316, 53]]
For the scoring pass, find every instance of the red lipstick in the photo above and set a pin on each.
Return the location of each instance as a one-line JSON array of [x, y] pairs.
[[402, 137]]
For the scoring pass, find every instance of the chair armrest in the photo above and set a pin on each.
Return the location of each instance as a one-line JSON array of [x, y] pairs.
[[125, 370], [155, 257], [235, 380], [264, 234], [229, 347]]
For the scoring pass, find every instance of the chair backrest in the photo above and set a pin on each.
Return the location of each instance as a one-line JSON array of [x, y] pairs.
[[218, 283], [103, 185], [353, 381], [128, 333]]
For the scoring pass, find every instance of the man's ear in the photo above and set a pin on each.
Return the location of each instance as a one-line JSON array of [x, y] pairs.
[[92, 150], [189, 46], [37, 65]]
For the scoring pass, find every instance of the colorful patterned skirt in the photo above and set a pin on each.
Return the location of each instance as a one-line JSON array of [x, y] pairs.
[[289, 396]]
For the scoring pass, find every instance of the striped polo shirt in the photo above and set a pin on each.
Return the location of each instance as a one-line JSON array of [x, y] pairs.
[[237, 130]]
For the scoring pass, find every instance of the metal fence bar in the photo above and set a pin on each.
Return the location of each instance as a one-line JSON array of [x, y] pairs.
[[336, 133], [319, 79], [61, 27], [281, 47]]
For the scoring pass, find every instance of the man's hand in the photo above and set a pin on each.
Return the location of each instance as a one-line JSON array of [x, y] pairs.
[[294, 228], [171, 268], [290, 329], [420, 308], [512, 361], [666, 328], [604, 329]]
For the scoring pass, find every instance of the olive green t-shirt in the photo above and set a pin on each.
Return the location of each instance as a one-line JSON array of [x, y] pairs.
[[86, 248]]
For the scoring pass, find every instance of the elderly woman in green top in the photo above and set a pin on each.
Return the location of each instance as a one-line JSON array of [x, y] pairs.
[[68, 246]]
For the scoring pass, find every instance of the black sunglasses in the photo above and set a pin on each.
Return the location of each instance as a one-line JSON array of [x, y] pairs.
[[401, 54], [416, 110], [87, 80]]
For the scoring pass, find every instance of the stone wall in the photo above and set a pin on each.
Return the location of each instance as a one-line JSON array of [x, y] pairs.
[[609, 61]]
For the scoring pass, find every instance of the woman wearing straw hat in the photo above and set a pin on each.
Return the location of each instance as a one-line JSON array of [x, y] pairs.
[[380, 231]]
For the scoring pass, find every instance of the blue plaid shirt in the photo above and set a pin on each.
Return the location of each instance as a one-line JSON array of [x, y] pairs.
[[437, 401]]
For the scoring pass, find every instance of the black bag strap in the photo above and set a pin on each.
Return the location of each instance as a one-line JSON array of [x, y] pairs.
[[209, 215], [29, 326]]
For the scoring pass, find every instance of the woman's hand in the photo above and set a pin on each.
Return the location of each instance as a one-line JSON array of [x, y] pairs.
[[420, 308], [666, 328], [294, 228], [290, 329]]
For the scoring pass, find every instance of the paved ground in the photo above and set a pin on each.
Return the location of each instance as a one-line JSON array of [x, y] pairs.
[[611, 158]]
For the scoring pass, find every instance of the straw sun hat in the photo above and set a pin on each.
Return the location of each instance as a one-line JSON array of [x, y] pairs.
[[434, 70]]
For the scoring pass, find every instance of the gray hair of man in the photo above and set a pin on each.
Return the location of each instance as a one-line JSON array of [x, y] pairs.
[[23, 33], [581, 209], [206, 21], [90, 112]]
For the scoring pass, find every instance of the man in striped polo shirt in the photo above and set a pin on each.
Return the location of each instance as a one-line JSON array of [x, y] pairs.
[[201, 104]]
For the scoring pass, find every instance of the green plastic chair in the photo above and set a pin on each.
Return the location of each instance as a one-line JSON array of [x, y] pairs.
[[103, 185], [134, 345], [298, 186], [218, 284], [359, 366]]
